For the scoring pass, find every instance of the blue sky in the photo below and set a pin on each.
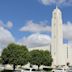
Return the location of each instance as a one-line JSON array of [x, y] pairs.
[[20, 13]]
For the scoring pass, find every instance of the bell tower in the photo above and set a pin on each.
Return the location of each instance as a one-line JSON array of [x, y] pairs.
[[57, 38]]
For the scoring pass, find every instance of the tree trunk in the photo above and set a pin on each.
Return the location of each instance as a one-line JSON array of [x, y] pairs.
[[38, 67], [4, 67], [14, 66]]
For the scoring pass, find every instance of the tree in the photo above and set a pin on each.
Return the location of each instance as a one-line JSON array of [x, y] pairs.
[[15, 54], [0, 60], [47, 58], [36, 57], [39, 57]]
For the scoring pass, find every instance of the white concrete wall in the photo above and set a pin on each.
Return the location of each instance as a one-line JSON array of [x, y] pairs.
[[41, 48]]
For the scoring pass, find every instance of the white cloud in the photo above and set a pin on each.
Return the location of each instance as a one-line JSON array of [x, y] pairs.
[[46, 2], [67, 30], [9, 24], [35, 40], [43, 27], [1, 23], [58, 2], [36, 27], [5, 38]]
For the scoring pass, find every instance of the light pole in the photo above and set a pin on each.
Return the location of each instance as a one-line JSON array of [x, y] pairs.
[[67, 49], [50, 48], [67, 54]]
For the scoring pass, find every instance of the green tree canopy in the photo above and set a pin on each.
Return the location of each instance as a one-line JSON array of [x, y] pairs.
[[40, 57], [47, 58], [15, 54], [0, 60]]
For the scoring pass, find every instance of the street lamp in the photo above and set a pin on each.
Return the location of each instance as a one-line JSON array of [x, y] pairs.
[[67, 54], [50, 48], [67, 49]]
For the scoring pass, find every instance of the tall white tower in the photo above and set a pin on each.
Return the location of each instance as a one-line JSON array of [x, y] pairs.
[[57, 38]]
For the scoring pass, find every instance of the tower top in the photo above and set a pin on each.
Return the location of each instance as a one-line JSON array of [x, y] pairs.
[[57, 10], [56, 7]]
